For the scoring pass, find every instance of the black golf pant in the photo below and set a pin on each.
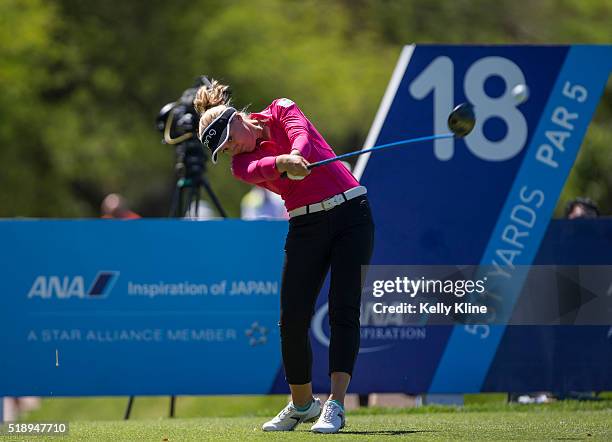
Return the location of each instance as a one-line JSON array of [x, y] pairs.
[[343, 238]]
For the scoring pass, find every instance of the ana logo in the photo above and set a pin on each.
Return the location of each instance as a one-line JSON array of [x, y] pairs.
[[208, 137], [64, 287]]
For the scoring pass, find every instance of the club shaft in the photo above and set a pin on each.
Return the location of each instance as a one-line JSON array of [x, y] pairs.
[[381, 147]]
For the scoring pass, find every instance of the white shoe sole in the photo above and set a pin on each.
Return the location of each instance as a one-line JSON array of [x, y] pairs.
[[326, 430], [312, 419]]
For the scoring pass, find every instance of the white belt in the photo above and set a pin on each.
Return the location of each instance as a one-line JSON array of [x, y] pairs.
[[329, 203]]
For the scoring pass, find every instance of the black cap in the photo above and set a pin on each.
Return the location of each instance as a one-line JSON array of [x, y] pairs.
[[217, 132]]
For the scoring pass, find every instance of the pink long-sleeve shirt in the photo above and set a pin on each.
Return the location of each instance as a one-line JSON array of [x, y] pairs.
[[290, 129]]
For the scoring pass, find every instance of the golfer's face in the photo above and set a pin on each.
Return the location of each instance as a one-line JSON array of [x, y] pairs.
[[241, 138]]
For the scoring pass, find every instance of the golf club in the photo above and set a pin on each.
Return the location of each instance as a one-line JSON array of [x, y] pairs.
[[461, 121]]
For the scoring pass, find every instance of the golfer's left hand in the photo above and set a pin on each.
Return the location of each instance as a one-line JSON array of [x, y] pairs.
[[293, 164]]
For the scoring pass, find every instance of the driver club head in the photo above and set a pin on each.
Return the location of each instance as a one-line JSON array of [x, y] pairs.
[[461, 120]]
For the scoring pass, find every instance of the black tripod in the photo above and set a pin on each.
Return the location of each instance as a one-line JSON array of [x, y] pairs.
[[191, 177], [191, 168]]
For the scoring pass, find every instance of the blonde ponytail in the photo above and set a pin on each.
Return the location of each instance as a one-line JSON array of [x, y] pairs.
[[210, 102], [211, 96]]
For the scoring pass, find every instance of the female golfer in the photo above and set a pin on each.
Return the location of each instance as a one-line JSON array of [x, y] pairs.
[[330, 224]]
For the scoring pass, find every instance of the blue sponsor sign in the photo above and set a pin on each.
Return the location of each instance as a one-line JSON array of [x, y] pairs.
[[484, 199], [174, 320], [527, 209], [142, 307]]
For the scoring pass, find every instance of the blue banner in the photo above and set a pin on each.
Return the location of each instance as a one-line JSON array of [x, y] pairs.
[[466, 201], [171, 307], [532, 198], [140, 307]]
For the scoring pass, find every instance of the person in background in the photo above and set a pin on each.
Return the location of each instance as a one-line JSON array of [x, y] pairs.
[[581, 208], [16, 407], [578, 208], [114, 207], [261, 203]]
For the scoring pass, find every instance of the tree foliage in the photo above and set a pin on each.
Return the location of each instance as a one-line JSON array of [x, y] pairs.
[[83, 82]]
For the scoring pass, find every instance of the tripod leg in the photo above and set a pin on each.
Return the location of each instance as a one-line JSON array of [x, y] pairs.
[[213, 197], [180, 213], [128, 410], [175, 204], [172, 403], [195, 195], [189, 206]]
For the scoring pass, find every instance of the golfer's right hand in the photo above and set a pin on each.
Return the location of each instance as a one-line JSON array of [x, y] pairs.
[[292, 164]]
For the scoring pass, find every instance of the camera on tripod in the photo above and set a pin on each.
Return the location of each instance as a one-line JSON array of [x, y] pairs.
[[178, 122]]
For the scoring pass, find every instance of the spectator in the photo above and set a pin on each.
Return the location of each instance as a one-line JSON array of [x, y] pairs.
[[578, 208], [260, 203], [16, 407], [581, 208], [114, 207]]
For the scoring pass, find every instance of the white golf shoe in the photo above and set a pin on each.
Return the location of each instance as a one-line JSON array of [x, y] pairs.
[[331, 419], [289, 417]]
